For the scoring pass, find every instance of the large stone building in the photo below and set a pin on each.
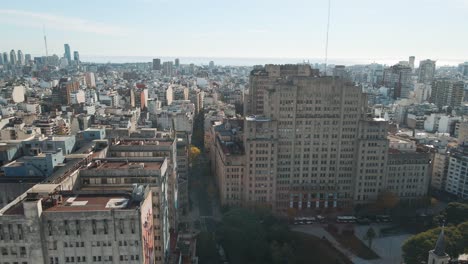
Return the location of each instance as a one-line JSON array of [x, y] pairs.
[[309, 143], [49, 226]]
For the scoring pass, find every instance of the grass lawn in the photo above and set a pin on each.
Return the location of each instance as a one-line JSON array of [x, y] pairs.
[[310, 249], [355, 245]]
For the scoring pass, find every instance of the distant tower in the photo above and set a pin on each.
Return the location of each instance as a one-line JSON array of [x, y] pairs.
[[67, 52], [411, 62], [20, 58], [12, 57], [177, 63], [27, 59], [157, 64], [426, 71], [212, 64], [45, 43], [76, 56], [438, 255], [5, 58]]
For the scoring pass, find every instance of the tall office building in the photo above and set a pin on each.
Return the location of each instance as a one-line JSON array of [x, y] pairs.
[[398, 77], [27, 59], [61, 94], [90, 80], [76, 56], [157, 64], [5, 58], [67, 54], [168, 68], [20, 58], [447, 92], [1, 59], [411, 62], [301, 136], [426, 71], [177, 63], [13, 59]]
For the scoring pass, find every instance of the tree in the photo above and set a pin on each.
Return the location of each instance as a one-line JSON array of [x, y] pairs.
[[387, 200], [370, 235], [206, 248], [415, 249], [456, 213], [194, 152]]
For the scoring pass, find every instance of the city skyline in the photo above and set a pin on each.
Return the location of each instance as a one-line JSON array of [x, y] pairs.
[[246, 30]]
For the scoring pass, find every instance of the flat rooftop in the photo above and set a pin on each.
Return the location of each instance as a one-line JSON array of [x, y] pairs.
[[398, 139], [109, 165], [143, 143], [92, 203]]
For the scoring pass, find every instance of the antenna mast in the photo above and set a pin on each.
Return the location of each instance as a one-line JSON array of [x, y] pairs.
[[45, 42], [326, 41]]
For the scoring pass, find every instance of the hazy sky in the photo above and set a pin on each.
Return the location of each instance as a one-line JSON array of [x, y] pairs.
[[360, 29]]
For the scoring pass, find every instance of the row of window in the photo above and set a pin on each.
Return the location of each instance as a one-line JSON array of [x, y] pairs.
[[13, 251]]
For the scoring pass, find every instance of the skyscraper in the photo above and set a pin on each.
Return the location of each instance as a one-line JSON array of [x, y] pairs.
[[398, 77], [176, 62], [5, 58], [13, 60], [411, 62], [67, 53], [76, 56], [426, 71], [157, 64], [301, 137], [27, 59], [1, 59], [20, 58], [168, 68], [447, 92]]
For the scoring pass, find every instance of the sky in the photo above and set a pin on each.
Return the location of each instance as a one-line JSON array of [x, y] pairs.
[[359, 29]]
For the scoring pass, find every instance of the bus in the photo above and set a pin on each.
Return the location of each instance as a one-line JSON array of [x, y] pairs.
[[346, 219]]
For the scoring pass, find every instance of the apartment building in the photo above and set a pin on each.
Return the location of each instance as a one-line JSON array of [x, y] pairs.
[[110, 173], [457, 173], [228, 160], [49, 226]]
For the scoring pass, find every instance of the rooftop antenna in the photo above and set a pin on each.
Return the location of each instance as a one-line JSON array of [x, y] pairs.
[[45, 42], [326, 41]]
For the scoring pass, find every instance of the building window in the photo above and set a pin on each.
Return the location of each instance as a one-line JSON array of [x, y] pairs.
[[93, 223]]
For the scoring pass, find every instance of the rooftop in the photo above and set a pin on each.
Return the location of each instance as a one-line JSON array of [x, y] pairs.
[[108, 164], [92, 203]]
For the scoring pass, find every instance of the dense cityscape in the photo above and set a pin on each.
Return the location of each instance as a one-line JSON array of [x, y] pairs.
[[240, 143]]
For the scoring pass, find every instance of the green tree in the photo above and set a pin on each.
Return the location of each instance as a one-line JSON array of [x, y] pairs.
[[415, 249], [244, 238], [206, 248], [370, 235], [456, 213]]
